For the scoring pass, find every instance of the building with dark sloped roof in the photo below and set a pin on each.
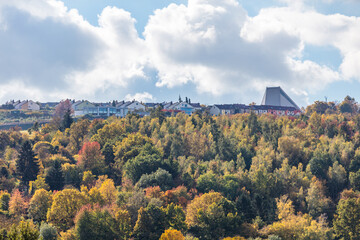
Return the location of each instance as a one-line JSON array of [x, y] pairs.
[[275, 96]]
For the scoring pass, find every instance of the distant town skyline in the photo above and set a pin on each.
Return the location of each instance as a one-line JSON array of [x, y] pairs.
[[213, 51]]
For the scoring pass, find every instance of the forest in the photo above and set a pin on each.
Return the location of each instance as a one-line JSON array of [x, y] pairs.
[[184, 177]]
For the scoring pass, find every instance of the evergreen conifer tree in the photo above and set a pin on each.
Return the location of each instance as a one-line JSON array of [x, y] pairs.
[[108, 153], [54, 176], [27, 166], [67, 120]]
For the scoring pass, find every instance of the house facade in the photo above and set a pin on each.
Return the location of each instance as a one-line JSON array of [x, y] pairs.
[[82, 107], [27, 105], [228, 109], [184, 107], [106, 109]]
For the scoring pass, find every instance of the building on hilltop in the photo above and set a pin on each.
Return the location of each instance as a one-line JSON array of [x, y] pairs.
[[228, 109], [275, 101], [28, 105], [275, 96], [121, 109]]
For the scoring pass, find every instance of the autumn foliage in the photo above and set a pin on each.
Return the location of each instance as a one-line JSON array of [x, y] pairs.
[[234, 177]]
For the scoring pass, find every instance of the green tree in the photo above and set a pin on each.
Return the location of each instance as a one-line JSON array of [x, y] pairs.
[[62, 115], [95, 224], [48, 232], [176, 147], [175, 217], [55, 177], [109, 159], [149, 160], [319, 165], [337, 179], [158, 113], [160, 178], [4, 201], [348, 105], [4, 140], [124, 222], [26, 165], [108, 153], [208, 182], [25, 230], [347, 218], [151, 223], [253, 124], [72, 175], [66, 121], [318, 202], [355, 180]]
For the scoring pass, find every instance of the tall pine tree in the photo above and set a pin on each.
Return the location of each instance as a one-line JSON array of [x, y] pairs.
[[27, 166], [67, 120], [55, 177]]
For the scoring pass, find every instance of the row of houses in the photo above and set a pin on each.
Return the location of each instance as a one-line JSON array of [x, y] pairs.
[[24, 105], [275, 101], [121, 109], [230, 109]]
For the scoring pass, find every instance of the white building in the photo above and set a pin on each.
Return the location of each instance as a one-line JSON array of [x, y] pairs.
[[27, 105]]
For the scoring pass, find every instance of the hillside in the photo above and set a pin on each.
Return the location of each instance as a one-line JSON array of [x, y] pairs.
[[198, 177]]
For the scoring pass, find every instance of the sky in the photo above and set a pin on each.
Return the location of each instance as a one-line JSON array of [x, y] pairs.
[[212, 51]]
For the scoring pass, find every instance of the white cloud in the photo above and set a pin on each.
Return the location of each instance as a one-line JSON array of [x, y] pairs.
[[122, 58], [16, 89], [141, 97], [212, 44], [316, 29], [215, 45], [54, 50]]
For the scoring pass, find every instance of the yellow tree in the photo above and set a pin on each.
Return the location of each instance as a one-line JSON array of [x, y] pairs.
[[64, 208], [39, 205], [172, 234], [108, 191], [212, 216], [301, 227], [109, 133], [129, 147]]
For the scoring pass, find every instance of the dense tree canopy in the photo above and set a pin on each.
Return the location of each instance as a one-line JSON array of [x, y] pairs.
[[243, 176]]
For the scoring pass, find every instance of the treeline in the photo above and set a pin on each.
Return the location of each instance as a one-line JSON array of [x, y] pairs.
[[184, 177]]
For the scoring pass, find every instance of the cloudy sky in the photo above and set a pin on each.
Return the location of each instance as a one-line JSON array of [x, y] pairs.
[[213, 51]]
